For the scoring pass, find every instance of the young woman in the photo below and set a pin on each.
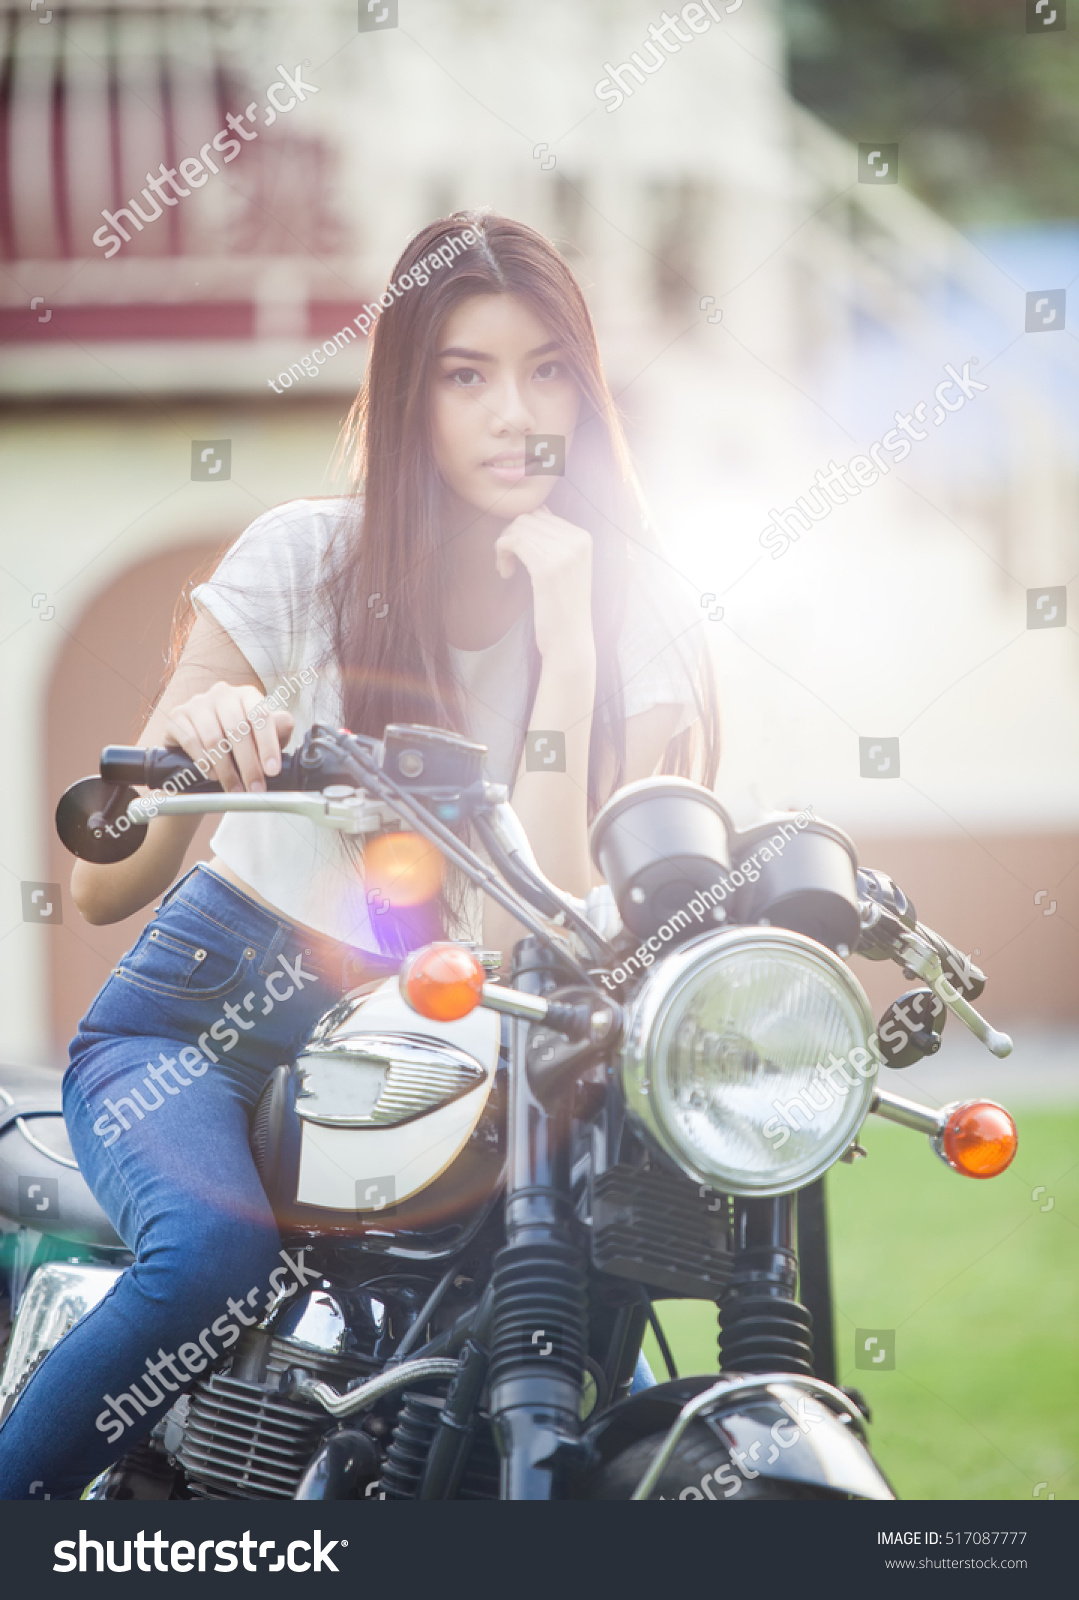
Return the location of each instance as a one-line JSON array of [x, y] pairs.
[[473, 584]]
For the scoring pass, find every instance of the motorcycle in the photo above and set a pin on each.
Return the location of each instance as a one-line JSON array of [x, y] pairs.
[[490, 1184]]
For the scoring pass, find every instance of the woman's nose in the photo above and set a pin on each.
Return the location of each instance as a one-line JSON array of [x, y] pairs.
[[512, 411]]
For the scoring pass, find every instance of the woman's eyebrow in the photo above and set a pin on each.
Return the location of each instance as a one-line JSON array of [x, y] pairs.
[[482, 355], [468, 355]]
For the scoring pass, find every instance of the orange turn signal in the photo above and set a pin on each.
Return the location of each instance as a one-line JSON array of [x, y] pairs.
[[979, 1139], [443, 982]]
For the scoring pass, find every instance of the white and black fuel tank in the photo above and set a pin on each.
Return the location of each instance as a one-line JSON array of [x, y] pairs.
[[382, 1130]]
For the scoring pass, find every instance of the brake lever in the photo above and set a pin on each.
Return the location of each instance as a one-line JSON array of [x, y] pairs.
[[885, 935], [913, 952]]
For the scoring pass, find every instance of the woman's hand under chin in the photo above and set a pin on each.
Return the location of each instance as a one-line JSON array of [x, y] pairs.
[[558, 559]]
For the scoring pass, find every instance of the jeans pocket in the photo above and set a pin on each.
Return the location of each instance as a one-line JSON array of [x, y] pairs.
[[172, 964]]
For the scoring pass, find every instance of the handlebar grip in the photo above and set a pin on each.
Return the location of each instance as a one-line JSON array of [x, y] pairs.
[[155, 766], [91, 815]]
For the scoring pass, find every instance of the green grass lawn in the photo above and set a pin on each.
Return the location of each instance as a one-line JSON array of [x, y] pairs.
[[981, 1286]]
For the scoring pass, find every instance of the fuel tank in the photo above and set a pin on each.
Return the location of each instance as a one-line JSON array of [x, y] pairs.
[[387, 1127]]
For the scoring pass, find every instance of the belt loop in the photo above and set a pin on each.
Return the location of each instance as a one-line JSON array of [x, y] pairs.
[[177, 886], [273, 949]]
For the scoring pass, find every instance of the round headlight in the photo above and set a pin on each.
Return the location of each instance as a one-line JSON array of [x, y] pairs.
[[747, 1059]]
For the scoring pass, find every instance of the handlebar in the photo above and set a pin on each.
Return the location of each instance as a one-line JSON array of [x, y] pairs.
[[415, 777], [338, 779], [432, 780]]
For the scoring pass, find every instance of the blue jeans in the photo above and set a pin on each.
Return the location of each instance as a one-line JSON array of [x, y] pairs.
[[165, 1070], [643, 1376]]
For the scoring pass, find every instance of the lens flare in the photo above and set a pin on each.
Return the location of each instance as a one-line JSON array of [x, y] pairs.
[[402, 869]]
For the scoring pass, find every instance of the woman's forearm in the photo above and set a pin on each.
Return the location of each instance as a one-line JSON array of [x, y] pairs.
[[209, 684], [106, 894], [552, 801]]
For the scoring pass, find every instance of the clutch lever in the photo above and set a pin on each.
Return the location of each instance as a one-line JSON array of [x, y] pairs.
[[343, 809]]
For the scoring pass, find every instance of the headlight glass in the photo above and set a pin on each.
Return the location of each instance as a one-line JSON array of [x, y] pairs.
[[729, 1056]]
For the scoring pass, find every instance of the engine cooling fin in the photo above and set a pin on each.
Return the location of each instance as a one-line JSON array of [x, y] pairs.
[[243, 1439], [244, 1442]]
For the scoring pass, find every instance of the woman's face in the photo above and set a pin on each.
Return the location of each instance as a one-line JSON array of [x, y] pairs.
[[500, 378]]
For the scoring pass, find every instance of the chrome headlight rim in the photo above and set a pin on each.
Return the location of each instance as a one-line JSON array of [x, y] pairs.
[[654, 1000]]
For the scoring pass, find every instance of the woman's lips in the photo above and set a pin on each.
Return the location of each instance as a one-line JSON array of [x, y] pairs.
[[508, 469]]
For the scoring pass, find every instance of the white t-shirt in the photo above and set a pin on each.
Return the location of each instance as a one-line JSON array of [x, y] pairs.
[[262, 595]]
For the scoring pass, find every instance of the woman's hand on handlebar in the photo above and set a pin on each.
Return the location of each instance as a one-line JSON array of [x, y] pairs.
[[231, 742], [199, 707]]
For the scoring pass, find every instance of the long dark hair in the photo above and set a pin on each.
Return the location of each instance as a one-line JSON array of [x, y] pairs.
[[381, 587], [399, 670]]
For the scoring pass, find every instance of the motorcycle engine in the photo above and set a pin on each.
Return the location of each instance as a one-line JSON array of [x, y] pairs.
[[236, 1436]]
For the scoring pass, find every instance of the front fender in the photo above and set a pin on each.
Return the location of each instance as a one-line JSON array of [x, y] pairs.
[[775, 1426], [788, 1435]]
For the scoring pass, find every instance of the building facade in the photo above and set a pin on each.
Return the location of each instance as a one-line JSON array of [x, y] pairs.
[[764, 312]]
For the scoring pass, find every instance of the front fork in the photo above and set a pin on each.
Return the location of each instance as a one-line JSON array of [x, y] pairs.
[[815, 1277], [781, 1249], [540, 1327]]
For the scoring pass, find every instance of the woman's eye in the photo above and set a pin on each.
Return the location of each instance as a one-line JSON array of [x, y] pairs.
[[548, 371], [466, 377]]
